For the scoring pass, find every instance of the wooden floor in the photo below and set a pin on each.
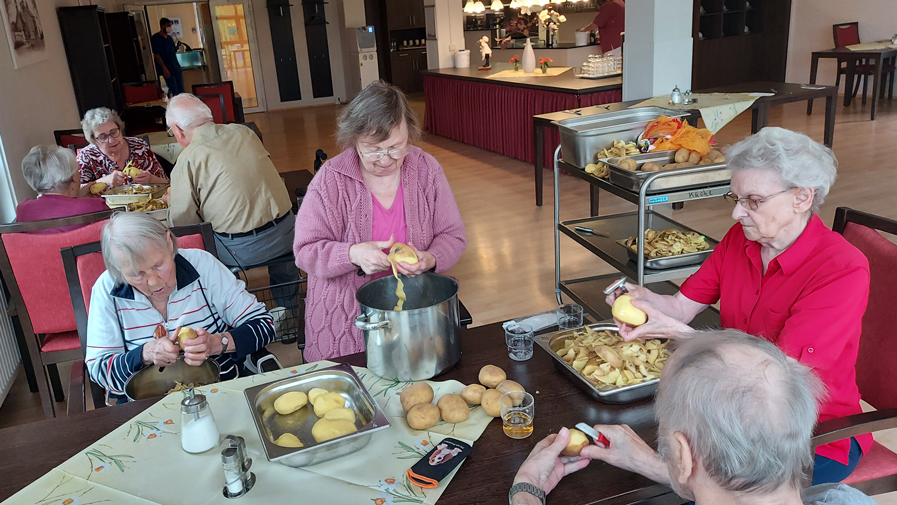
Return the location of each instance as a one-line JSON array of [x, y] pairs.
[[508, 268]]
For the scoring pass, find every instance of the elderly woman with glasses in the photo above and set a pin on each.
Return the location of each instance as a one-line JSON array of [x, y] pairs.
[[380, 190], [780, 274], [109, 152]]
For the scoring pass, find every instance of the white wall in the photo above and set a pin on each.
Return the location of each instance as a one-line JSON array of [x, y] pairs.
[[449, 20], [811, 30], [657, 50]]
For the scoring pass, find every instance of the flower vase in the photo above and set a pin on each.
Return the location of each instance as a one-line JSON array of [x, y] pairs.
[[544, 70], [516, 66], [529, 58]]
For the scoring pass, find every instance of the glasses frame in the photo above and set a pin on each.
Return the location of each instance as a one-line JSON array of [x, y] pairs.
[[105, 138], [752, 203], [378, 155]]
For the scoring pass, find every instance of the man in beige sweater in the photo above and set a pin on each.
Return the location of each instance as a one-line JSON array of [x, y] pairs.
[[225, 176]]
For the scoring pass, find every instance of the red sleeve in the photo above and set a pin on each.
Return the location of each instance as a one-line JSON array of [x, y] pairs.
[[704, 285]]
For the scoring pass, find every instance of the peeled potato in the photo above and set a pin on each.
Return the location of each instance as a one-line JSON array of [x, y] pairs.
[[131, 171], [327, 402], [314, 394], [340, 413], [416, 394], [402, 252], [694, 157], [650, 167], [682, 155], [578, 440], [453, 409], [185, 333], [326, 429], [624, 311], [491, 375], [288, 403], [423, 416], [628, 164], [288, 440], [97, 188], [473, 394], [491, 402]]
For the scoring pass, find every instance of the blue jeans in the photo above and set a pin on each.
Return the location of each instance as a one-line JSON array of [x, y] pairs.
[[827, 470], [175, 82]]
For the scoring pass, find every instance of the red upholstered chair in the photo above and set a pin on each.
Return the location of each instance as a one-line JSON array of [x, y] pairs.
[[83, 266], [33, 272], [848, 34], [877, 471], [233, 106], [216, 104], [141, 92], [66, 138]]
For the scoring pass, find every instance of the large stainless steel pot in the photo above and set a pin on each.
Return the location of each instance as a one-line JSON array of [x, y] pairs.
[[155, 381], [416, 343]]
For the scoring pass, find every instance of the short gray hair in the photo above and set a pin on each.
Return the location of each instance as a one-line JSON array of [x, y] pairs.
[[187, 112], [799, 160], [375, 112], [49, 167], [98, 117], [127, 236], [747, 411]]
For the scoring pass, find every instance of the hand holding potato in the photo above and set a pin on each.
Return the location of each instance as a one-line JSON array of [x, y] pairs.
[[658, 325], [629, 452], [160, 352], [544, 467]]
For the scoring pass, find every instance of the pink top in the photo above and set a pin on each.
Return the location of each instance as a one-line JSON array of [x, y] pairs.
[[55, 206], [388, 222]]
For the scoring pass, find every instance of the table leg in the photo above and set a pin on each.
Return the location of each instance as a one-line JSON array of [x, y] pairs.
[[759, 117], [848, 81], [593, 200], [539, 147], [876, 83], [814, 64], [829, 135]]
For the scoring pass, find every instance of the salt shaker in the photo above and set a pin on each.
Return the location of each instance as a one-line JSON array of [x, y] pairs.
[[233, 473], [687, 97], [676, 96], [199, 433]]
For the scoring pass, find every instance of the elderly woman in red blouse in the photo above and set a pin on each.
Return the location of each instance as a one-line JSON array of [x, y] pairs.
[[110, 151], [780, 274]]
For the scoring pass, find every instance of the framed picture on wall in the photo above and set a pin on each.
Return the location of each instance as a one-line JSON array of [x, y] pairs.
[[24, 32], [177, 29]]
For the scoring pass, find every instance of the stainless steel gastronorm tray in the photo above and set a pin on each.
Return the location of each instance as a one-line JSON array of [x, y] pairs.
[[717, 173], [551, 342], [337, 379], [582, 137], [679, 260], [115, 197]]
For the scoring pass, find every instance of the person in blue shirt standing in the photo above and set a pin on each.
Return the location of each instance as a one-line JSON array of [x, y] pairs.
[[165, 55]]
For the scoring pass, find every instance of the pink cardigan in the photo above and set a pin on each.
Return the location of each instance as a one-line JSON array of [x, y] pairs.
[[336, 213]]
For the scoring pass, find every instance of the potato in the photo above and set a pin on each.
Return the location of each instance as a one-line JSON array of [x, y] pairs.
[[97, 188], [670, 166], [288, 440], [288, 403], [694, 157], [185, 333], [491, 402], [423, 416], [402, 252], [327, 402], [416, 394], [473, 394], [491, 375], [578, 440], [687, 164], [682, 155], [132, 171], [716, 156], [340, 413], [326, 429], [650, 167], [627, 164], [506, 386], [706, 161], [453, 409], [624, 311], [314, 394]]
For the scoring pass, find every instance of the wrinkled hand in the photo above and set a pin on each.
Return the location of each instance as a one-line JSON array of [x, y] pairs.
[[197, 350], [544, 467], [160, 352], [627, 451], [633, 290], [167, 196], [145, 177], [370, 256], [659, 325], [115, 179], [425, 262]]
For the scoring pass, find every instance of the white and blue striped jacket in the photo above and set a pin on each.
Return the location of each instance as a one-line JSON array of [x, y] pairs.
[[208, 295]]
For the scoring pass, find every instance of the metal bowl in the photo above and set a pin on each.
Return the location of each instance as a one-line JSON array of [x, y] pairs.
[[154, 381]]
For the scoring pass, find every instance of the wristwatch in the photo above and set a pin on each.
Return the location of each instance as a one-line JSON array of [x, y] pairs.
[[224, 342], [525, 487]]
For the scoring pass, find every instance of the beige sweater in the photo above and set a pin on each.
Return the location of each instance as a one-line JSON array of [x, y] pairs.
[[226, 177]]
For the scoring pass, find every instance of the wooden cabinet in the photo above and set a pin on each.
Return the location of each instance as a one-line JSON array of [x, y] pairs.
[[88, 50], [406, 67], [405, 14]]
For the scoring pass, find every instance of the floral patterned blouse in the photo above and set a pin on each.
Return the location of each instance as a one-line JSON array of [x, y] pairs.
[[95, 165]]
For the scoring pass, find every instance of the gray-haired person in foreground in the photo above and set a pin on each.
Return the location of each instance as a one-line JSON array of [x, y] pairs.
[[735, 419]]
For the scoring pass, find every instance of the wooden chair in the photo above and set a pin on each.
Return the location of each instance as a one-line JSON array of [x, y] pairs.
[[138, 92], [233, 105], [848, 34], [33, 273], [216, 105], [877, 470], [83, 266], [67, 138]]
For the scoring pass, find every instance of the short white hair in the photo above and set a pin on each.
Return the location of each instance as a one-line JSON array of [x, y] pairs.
[[49, 167], [187, 112], [799, 160], [127, 236], [94, 118]]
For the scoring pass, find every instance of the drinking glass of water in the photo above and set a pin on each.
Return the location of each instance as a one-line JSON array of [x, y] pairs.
[[569, 316], [520, 342]]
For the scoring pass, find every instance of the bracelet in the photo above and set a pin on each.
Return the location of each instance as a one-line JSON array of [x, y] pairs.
[[525, 487]]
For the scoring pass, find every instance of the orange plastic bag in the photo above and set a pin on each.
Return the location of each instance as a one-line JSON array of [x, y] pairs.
[[689, 137], [662, 127]]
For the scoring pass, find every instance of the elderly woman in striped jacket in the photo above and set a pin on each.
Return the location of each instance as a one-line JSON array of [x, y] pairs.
[[149, 283]]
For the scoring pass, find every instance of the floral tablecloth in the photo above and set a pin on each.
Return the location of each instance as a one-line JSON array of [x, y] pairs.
[[717, 109], [141, 462]]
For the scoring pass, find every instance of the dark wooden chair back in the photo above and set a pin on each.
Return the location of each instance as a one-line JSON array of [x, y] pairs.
[[141, 92], [846, 34], [225, 88], [66, 138], [216, 104]]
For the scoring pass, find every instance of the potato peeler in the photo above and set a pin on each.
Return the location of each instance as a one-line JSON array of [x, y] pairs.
[[597, 436], [620, 284]]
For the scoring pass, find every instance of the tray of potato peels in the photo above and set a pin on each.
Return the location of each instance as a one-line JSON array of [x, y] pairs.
[[610, 370], [671, 248]]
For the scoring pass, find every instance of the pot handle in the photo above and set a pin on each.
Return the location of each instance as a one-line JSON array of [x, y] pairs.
[[362, 323]]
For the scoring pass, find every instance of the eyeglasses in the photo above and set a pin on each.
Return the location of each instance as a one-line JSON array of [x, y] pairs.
[[392, 153], [114, 134], [170, 130], [751, 203]]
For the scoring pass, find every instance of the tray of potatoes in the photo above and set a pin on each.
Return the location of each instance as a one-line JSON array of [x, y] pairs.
[[631, 172]]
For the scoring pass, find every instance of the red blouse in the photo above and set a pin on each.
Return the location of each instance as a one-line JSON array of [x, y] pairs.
[[95, 165], [810, 303]]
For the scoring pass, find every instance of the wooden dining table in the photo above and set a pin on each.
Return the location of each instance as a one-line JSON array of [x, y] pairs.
[[29, 451], [875, 57]]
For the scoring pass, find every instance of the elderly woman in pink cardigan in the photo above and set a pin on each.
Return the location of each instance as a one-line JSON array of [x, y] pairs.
[[380, 190]]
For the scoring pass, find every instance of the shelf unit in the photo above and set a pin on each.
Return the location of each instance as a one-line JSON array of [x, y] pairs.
[[588, 292]]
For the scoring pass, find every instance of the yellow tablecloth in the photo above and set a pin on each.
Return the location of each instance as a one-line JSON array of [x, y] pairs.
[[552, 72], [142, 462], [717, 109]]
